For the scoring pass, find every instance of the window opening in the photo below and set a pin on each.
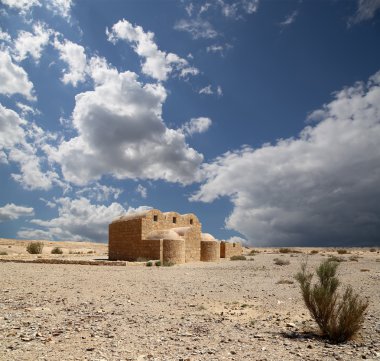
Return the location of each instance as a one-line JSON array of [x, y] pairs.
[[155, 218], [174, 219]]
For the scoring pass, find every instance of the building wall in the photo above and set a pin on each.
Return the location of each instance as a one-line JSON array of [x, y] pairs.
[[228, 250], [124, 241], [129, 238], [210, 251]]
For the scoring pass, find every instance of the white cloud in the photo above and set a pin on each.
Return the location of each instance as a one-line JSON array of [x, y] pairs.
[[236, 9], [22, 5], [5, 36], [319, 188], [197, 28], [366, 11], [218, 48], [19, 143], [32, 44], [78, 219], [140, 189], [157, 63], [75, 57], [197, 125], [13, 78], [189, 9], [206, 90], [99, 192], [121, 132], [26, 109], [290, 19], [11, 212], [60, 7]]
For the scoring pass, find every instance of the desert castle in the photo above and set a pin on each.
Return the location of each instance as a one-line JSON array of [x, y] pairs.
[[169, 237]]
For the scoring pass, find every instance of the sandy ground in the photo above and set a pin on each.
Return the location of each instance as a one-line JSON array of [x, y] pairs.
[[230, 310]]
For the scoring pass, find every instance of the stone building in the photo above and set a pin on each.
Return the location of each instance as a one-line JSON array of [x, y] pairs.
[[169, 237]]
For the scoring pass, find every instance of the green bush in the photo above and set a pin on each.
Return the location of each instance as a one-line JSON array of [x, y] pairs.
[[238, 258], [56, 250], [338, 318], [35, 247], [149, 264], [157, 263], [281, 262]]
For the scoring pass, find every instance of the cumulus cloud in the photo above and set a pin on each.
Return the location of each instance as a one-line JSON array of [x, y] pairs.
[[366, 10], [19, 143], [219, 48], [11, 212], [121, 132], [197, 125], [78, 220], [75, 57], [197, 28], [31, 44], [13, 78], [157, 63], [5, 36], [320, 188], [22, 5], [60, 7]]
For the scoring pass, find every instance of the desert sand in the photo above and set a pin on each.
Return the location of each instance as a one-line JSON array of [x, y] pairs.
[[229, 310]]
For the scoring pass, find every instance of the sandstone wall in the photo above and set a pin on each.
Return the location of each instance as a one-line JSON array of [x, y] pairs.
[[174, 251], [124, 240], [210, 251], [228, 250]]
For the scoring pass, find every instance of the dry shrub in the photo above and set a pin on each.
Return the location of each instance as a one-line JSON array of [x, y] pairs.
[[338, 318], [364, 270], [354, 259], [35, 247], [284, 282], [281, 262], [253, 252], [3, 253], [238, 258], [56, 250], [372, 250], [335, 259], [314, 251], [342, 251], [285, 250]]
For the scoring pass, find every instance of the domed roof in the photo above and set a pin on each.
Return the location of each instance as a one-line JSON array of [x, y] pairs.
[[163, 234], [208, 237]]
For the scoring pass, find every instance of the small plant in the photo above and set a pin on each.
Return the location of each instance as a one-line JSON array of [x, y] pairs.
[[157, 263], [56, 250], [253, 252], [149, 264], [338, 318], [314, 251], [335, 259], [364, 270], [372, 250], [354, 258], [284, 282], [285, 250], [168, 263], [281, 262], [3, 253], [90, 252], [35, 247], [342, 251], [238, 258]]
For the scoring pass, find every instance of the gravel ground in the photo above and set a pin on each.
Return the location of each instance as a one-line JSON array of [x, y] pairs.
[[231, 310]]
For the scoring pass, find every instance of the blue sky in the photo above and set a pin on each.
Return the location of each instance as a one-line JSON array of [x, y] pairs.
[[262, 117]]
